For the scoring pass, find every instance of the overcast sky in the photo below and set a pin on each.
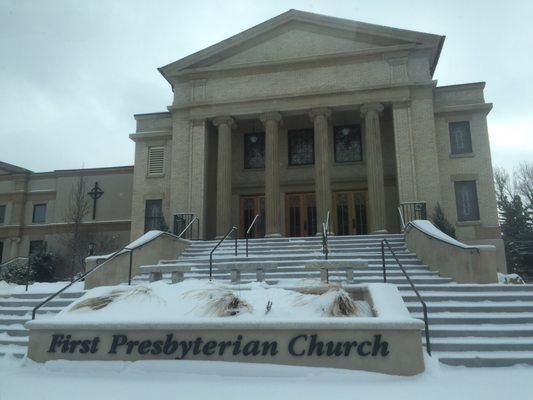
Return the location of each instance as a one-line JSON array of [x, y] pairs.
[[73, 73]]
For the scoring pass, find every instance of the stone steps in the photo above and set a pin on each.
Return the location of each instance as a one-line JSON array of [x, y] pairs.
[[470, 325]]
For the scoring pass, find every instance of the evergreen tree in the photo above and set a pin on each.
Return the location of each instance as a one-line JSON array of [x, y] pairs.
[[440, 221]]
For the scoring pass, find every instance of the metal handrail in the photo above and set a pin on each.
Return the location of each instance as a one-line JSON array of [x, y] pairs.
[[424, 308], [247, 234], [51, 297], [231, 230], [402, 221], [197, 220], [83, 276]]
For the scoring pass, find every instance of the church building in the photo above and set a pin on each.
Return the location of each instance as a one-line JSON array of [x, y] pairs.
[[301, 119], [305, 116]]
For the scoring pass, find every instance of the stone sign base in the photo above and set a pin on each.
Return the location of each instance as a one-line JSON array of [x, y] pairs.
[[388, 342]]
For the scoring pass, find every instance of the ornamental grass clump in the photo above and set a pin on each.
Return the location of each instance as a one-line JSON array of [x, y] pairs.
[[99, 302], [220, 302], [96, 303]]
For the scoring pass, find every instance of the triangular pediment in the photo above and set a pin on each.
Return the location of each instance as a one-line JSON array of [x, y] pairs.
[[299, 35], [297, 40]]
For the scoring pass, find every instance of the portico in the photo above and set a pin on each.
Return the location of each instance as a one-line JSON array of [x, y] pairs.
[[279, 182]]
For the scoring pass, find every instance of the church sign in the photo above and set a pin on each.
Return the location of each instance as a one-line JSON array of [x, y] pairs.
[[368, 344]]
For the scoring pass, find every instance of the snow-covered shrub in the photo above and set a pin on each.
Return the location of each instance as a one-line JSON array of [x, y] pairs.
[[15, 272], [43, 266]]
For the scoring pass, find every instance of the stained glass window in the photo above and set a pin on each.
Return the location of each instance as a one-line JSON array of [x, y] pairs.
[[254, 150], [466, 201], [347, 141], [301, 147], [460, 138]]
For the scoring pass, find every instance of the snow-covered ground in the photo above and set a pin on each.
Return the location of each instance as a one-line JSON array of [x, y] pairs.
[[70, 380]]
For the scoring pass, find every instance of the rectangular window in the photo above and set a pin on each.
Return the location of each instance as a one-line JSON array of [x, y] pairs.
[[1, 252], [37, 247], [466, 201], [460, 138], [39, 214], [254, 150], [156, 160], [301, 147], [153, 216], [2, 214], [347, 143]]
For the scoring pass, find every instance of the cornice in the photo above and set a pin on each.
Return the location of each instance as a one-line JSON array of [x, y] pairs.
[[480, 107], [140, 136]]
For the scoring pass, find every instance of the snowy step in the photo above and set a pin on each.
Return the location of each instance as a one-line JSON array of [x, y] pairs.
[[27, 310], [17, 331], [471, 308], [469, 288], [449, 331], [42, 296], [481, 344], [14, 340], [33, 303], [485, 359], [464, 297], [472, 318]]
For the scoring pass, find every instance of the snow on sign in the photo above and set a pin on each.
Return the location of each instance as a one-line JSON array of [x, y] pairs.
[[365, 327]]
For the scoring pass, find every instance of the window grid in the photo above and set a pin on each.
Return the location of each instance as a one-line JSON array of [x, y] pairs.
[[466, 201], [39, 214], [460, 137]]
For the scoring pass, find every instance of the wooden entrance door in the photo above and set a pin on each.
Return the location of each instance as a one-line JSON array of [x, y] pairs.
[[300, 214], [251, 206], [350, 213]]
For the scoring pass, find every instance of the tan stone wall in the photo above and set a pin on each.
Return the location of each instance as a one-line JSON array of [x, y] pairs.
[[21, 192], [476, 166]]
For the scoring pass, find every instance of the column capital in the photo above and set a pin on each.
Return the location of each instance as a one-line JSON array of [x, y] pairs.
[[270, 116], [224, 121], [321, 111], [371, 107]]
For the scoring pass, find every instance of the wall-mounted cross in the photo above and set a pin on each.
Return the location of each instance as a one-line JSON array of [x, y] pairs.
[[95, 194]]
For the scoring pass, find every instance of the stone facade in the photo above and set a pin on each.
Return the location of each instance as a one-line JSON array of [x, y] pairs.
[[21, 190], [306, 71]]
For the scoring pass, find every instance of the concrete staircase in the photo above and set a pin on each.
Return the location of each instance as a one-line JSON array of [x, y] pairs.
[[472, 325], [15, 310]]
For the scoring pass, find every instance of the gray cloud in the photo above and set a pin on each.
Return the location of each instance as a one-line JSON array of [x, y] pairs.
[[72, 73]]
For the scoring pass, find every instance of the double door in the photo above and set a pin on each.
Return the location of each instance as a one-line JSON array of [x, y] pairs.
[[350, 213], [300, 214], [251, 206]]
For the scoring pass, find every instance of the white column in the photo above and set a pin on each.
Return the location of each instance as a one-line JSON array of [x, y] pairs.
[[272, 191], [374, 167], [224, 125]]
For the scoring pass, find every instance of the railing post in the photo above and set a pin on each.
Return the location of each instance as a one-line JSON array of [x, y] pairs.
[[131, 262], [28, 273], [211, 266], [236, 237], [246, 236], [426, 323], [383, 261]]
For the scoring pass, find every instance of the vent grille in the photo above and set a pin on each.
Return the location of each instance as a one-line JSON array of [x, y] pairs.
[[156, 158]]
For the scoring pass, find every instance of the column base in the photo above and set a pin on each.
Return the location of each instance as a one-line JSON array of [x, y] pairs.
[[380, 232]]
